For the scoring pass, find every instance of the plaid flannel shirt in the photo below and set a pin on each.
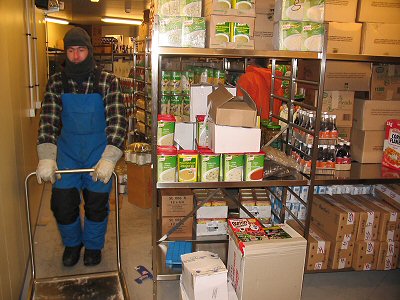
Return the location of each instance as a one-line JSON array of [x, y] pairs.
[[50, 117]]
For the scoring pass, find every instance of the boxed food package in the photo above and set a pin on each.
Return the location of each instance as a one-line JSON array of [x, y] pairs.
[[176, 202], [380, 39], [367, 145], [389, 224], [207, 227], [365, 255], [339, 103], [339, 75], [287, 35], [191, 8], [373, 114], [318, 247], [263, 32], [252, 250], [183, 231], [303, 10], [384, 11], [344, 38], [340, 11], [243, 8], [385, 82], [212, 211], [228, 110], [368, 222], [389, 193], [230, 32], [312, 36], [391, 145], [204, 276], [388, 256], [232, 167], [229, 139], [336, 220]]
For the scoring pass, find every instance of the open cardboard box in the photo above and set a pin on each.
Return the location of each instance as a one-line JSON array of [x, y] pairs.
[[229, 110]]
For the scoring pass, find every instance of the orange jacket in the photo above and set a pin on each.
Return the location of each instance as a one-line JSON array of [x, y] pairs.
[[257, 82]]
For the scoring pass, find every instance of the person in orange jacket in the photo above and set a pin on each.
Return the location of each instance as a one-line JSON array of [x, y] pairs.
[[257, 83]]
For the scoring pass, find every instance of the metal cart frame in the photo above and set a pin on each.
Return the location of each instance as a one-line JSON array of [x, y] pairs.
[[75, 281]]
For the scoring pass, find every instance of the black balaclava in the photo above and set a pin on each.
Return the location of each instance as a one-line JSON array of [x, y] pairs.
[[79, 37]]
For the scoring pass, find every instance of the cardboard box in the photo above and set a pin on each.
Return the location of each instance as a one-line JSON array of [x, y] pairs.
[[339, 103], [389, 222], [340, 11], [215, 7], [263, 32], [207, 227], [204, 276], [258, 211], [368, 221], [380, 39], [265, 7], [367, 145], [247, 270], [229, 110], [198, 100], [391, 145], [229, 139], [383, 11], [212, 212], [318, 247], [183, 231], [184, 135], [339, 75], [389, 194], [344, 38], [215, 40], [388, 256], [231, 291], [340, 255], [372, 114], [365, 255], [140, 185], [336, 220], [385, 82], [344, 133], [299, 11], [176, 202]]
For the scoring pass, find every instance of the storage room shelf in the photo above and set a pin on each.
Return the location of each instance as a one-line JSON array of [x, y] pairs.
[[290, 181], [360, 173]]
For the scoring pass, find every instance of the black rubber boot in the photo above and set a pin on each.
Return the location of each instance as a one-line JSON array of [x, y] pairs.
[[71, 255], [92, 257]]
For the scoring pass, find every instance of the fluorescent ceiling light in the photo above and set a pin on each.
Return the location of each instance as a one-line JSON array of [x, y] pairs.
[[94, 0], [55, 20], [121, 21]]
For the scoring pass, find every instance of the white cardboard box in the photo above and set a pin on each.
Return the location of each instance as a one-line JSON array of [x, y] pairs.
[[382, 11], [263, 211], [380, 39], [184, 135], [231, 292], [268, 268], [198, 100], [344, 38], [204, 276], [212, 212], [229, 139], [340, 11], [207, 227]]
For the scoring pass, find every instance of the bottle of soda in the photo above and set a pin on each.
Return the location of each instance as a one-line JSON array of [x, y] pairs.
[[321, 158], [330, 160], [307, 160], [347, 158], [333, 129], [341, 153], [324, 127]]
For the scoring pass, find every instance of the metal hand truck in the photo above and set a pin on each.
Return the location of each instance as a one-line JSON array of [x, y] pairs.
[[100, 285]]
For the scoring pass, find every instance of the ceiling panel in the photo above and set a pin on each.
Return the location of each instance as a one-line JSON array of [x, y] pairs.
[[86, 12]]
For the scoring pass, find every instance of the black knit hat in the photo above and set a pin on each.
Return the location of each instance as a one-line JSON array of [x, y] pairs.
[[77, 37]]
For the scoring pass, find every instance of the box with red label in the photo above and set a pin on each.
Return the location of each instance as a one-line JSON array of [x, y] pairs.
[[391, 145]]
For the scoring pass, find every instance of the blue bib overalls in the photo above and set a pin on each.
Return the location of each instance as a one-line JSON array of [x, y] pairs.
[[80, 145]]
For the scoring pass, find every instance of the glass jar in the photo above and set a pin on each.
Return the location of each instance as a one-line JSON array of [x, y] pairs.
[[271, 130]]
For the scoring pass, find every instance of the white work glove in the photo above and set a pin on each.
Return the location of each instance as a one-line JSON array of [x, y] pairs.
[[105, 167], [47, 166]]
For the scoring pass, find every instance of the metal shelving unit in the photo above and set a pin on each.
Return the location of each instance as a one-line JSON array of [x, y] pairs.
[[358, 173]]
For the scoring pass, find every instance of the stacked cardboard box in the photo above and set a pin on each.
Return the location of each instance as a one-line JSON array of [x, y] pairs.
[[257, 202], [230, 24], [381, 26], [344, 35], [175, 205], [368, 131], [264, 25], [339, 223], [211, 215]]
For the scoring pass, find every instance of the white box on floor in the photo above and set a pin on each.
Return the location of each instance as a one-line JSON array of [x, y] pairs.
[[231, 292], [229, 139], [204, 276], [267, 268]]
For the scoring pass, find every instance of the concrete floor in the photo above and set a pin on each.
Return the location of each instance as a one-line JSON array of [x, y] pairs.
[[136, 250]]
